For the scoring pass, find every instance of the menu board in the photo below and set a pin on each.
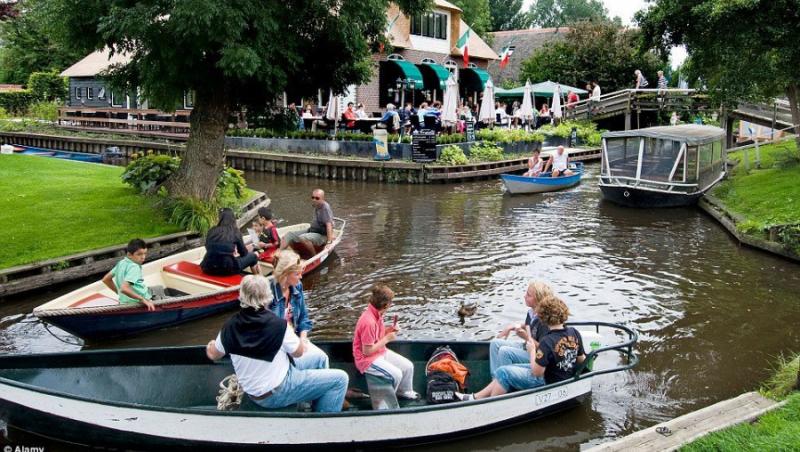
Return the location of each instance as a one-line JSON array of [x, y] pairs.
[[423, 146], [470, 130]]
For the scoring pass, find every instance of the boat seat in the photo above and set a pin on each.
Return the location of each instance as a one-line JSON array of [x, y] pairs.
[[381, 393], [193, 271], [95, 300]]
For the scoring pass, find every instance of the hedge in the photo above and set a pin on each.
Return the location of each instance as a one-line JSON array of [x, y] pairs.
[[16, 102]]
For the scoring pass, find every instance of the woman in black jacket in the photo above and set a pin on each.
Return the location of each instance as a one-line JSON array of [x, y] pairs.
[[225, 251]]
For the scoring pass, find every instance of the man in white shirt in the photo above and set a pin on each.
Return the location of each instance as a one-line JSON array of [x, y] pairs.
[[559, 162], [262, 347]]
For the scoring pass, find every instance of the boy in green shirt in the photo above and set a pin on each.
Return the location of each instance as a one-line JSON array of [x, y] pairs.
[[126, 278]]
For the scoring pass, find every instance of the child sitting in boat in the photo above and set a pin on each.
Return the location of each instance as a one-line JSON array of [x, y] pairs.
[[556, 358], [369, 345], [535, 165], [126, 278], [268, 239]]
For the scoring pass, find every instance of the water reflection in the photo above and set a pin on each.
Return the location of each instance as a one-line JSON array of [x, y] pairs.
[[697, 299]]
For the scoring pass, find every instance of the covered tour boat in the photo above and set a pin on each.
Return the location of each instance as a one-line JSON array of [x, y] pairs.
[[517, 184], [165, 398], [667, 166], [93, 312]]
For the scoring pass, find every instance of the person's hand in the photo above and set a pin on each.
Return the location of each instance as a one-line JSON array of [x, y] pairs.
[[524, 333], [149, 304], [390, 336], [262, 245], [504, 333], [393, 329]]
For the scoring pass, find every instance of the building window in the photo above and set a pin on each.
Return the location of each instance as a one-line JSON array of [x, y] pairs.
[[101, 94], [89, 93], [115, 100], [78, 91], [472, 66], [431, 25], [428, 61], [395, 57], [450, 65]]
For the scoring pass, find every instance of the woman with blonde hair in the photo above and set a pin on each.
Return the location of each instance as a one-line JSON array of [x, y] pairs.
[[502, 351], [555, 358], [289, 304]]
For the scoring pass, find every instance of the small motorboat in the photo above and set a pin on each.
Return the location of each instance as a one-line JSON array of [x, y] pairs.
[[666, 166], [543, 183], [157, 398], [93, 312]]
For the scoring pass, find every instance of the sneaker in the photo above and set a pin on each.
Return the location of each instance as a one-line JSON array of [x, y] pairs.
[[408, 395], [464, 397]]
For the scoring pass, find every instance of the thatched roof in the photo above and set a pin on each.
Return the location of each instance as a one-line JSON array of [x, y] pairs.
[[95, 63]]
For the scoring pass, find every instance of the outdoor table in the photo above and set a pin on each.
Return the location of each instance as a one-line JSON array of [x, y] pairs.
[[365, 124]]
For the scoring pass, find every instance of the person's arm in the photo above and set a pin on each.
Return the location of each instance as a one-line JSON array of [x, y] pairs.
[[240, 248], [538, 358], [214, 350], [128, 290], [108, 280], [292, 344], [369, 349], [329, 231], [304, 323]]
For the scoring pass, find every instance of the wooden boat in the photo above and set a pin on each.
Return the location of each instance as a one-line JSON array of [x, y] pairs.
[[159, 398], [543, 183], [667, 166], [93, 312], [65, 155]]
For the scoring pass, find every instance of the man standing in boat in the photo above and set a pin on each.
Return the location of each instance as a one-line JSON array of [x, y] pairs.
[[560, 163], [262, 348], [320, 233]]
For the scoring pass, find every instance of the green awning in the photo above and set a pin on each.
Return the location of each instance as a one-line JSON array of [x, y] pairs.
[[409, 70], [435, 75], [474, 78]]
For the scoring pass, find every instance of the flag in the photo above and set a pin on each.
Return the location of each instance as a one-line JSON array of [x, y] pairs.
[[388, 31], [505, 54], [463, 47]]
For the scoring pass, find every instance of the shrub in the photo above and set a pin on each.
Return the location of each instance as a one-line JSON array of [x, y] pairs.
[[789, 236], [191, 214], [147, 173], [453, 155], [3, 113], [231, 184], [485, 152], [48, 86], [587, 131], [44, 110], [499, 135], [16, 102]]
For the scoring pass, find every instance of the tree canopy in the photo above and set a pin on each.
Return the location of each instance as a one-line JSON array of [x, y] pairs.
[[508, 15], [559, 13], [741, 49], [476, 14], [598, 51], [229, 53]]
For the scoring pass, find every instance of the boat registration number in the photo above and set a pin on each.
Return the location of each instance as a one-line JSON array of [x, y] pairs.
[[553, 395]]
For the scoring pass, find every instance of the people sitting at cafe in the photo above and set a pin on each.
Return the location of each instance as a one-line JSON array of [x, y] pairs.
[[369, 345], [262, 347], [126, 278], [405, 116], [360, 112], [226, 253], [422, 111], [296, 119], [319, 234], [535, 165], [559, 163], [289, 304], [501, 115], [433, 116], [349, 117], [308, 112], [390, 120], [502, 351], [556, 357]]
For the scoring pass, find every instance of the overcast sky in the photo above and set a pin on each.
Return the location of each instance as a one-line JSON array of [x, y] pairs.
[[625, 9]]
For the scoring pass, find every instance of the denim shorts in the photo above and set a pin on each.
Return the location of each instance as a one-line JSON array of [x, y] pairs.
[[516, 377]]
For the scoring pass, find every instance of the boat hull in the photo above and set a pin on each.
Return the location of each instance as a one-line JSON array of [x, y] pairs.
[[643, 198], [516, 184]]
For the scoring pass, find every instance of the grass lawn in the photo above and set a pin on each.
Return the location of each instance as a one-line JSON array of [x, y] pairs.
[[776, 430], [53, 208], [766, 196]]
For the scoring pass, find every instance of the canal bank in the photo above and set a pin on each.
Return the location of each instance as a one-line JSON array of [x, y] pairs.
[[675, 276]]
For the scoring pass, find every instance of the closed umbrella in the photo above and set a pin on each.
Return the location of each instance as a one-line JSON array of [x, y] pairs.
[[556, 107], [450, 104], [486, 113], [526, 109], [333, 111]]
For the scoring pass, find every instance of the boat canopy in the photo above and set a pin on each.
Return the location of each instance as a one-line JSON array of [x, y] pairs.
[[691, 134]]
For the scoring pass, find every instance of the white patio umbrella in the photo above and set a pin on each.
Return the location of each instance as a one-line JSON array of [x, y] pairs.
[[486, 112], [555, 109], [526, 109], [333, 112], [450, 104]]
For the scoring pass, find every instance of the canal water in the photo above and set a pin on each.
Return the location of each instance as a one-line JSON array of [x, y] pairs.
[[712, 316]]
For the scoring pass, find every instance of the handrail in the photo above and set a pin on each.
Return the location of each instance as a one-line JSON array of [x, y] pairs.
[[625, 347], [648, 181]]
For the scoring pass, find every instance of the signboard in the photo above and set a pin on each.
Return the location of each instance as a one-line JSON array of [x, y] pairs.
[[469, 130], [423, 146], [380, 139]]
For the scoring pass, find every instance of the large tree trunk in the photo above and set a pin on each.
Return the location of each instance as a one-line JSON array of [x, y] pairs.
[[792, 92], [203, 160]]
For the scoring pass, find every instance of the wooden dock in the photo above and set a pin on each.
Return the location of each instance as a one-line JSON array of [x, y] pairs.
[[673, 434]]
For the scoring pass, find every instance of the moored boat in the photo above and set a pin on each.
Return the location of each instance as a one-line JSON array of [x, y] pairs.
[[64, 155], [516, 184], [667, 166], [93, 312], [158, 398]]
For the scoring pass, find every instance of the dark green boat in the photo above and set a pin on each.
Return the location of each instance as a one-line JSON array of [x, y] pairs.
[[165, 398]]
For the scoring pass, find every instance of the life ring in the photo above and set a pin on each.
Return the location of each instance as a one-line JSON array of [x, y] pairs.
[[626, 194]]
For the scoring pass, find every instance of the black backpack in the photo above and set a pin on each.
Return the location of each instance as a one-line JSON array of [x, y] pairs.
[[442, 388]]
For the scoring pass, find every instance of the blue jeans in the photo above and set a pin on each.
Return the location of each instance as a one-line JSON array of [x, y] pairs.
[[516, 377], [324, 388], [503, 353], [313, 358]]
